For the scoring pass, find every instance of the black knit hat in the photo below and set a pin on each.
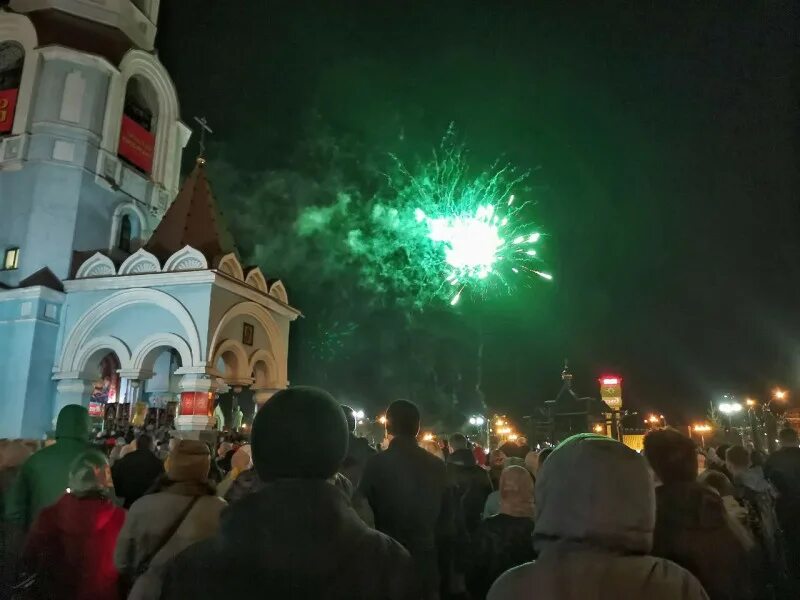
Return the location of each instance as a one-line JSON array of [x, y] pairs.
[[299, 433]]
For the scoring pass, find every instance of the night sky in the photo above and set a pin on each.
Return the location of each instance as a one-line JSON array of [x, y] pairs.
[[661, 138]]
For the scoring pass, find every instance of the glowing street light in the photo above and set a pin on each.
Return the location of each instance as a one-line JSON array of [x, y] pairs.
[[599, 428], [427, 437], [477, 421], [358, 414], [382, 419], [750, 402], [730, 408], [780, 394]]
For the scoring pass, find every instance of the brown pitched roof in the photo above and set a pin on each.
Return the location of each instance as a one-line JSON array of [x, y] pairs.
[[43, 277], [192, 219]]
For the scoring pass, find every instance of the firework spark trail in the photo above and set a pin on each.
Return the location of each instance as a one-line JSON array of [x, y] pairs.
[[479, 238]]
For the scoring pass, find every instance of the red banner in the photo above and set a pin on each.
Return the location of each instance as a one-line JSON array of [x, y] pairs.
[[196, 403], [136, 144], [8, 103], [96, 409]]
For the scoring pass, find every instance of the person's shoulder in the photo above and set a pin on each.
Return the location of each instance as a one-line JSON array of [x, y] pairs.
[[517, 582], [663, 572]]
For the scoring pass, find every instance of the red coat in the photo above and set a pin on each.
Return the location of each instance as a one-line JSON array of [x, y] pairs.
[[71, 546]]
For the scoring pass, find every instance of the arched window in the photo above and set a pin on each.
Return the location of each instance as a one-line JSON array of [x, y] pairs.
[[137, 135], [12, 57], [124, 242]]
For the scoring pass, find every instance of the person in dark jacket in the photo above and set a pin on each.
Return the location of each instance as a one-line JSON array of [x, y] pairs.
[[406, 487], [470, 483], [782, 470], [70, 546], [137, 471], [692, 526], [504, 540], [297, 537], [358, 450]]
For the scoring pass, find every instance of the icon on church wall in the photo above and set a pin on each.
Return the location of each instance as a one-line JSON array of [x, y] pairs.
[[247, 334]]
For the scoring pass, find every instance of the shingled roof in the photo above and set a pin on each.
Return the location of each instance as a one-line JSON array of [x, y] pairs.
[[194, 220]]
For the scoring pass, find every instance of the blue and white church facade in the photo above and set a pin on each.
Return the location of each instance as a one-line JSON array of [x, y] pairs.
[[107, 263]]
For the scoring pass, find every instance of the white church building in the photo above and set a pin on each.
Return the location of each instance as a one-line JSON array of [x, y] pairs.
[[116, 284]]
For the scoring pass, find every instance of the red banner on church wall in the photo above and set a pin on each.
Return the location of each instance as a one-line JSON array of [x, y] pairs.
[[136, 144], [196, 403], [8, 104]]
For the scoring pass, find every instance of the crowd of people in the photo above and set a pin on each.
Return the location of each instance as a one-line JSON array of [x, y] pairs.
[[306, 509]]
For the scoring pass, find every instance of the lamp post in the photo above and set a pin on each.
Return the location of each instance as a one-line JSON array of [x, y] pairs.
[[730, 409]]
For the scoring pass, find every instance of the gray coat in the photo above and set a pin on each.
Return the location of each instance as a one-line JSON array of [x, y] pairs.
[[594, 531], [147, 521]]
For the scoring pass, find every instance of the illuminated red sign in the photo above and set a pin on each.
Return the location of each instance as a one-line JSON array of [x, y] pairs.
[[610, 380], [95, 409], [8, 103], [196, 403], [136, 144]]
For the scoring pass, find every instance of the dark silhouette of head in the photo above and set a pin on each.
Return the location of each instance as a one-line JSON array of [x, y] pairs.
[[306, 413], [737, 458], [543, 454], [788, 438], [402, 418], [672, 455], [144, 442]]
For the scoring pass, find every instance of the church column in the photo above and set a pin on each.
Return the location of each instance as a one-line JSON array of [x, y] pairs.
[[77, 390], [195, 420]]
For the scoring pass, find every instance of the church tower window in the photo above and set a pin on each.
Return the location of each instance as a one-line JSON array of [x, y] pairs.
[[124, 242], [137, 134], [12, 57], [11, 259]]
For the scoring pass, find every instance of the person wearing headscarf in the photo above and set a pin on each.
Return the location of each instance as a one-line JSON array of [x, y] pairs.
[[504, 540], [595, 514], [492, 505], [298, 536], [71, 543], [183, 510]]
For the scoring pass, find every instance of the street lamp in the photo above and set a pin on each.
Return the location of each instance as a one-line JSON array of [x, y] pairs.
[[780, 394], [358, 414]]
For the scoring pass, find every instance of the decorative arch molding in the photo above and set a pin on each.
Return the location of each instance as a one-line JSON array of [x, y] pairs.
[[186, 259], [146, 353], [242, 367], [255, 278], [97, 265], [95, 315], [140, 262], [19, 28], [130, 209], [230, 265], [97, 348], [271, 366], [260, 314], [137, 63], [278, 290]]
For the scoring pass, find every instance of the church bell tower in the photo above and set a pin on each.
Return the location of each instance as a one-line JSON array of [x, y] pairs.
[[90, 135]]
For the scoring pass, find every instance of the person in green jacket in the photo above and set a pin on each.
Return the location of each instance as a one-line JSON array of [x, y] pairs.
[[43, 478]]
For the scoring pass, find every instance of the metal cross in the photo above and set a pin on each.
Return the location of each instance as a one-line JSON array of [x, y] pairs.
[[204, 128]]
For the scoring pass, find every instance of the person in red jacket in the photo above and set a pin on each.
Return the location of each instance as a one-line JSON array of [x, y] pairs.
[[70, 546]]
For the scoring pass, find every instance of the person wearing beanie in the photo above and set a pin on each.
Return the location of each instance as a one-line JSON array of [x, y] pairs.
[[184, 509], [43, 478], [71, 543], [297, 537], [406, 487], [595, 514]]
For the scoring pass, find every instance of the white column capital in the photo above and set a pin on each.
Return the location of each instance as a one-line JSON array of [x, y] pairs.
[[197, 382]]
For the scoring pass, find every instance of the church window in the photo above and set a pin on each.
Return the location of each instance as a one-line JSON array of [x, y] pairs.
[[124, 242], [11, 259], [12, 57], [137, 133]]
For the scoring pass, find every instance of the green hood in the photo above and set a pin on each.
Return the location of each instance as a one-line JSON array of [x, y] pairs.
[[73, 422]]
